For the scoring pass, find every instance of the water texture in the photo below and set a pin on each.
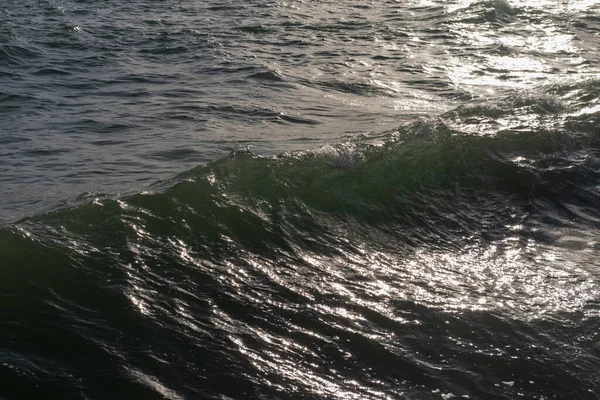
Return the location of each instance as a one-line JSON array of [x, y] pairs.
[[299, 200]]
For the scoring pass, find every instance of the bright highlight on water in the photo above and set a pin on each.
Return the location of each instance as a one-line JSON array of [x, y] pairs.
[[300, 199]]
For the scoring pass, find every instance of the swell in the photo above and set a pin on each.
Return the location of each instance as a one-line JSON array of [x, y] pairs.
[[420, 173], [423, 184], [406, 263]]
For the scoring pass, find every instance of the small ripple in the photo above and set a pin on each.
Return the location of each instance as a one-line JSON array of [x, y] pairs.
[[255, 29], [166, 50], [176, 154], [269, 75], [51, 71], [153, 383], [13, 139], [496, 11], [14, 54], [45, 152]]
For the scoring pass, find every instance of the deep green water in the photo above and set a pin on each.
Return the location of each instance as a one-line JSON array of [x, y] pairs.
[[417, 216]]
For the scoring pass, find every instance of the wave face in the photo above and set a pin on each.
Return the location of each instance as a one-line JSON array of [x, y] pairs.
[[424, 262]]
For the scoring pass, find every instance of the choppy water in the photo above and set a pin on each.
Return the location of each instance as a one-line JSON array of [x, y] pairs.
[[300, 200]]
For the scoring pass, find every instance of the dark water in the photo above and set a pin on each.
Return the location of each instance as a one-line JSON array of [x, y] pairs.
[[416, 218]]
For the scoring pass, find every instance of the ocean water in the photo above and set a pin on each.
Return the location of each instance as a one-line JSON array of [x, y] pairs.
[[299, 199]]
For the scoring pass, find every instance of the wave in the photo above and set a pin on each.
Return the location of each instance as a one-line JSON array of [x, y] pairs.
[[311, 267], [437, 163]]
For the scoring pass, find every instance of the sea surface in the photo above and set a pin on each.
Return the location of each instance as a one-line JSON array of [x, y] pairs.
[[299, 199]]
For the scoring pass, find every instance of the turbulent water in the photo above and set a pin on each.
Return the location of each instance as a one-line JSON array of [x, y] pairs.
[[300, 199]]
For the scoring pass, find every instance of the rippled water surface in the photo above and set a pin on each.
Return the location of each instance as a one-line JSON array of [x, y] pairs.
[[300, 200]]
